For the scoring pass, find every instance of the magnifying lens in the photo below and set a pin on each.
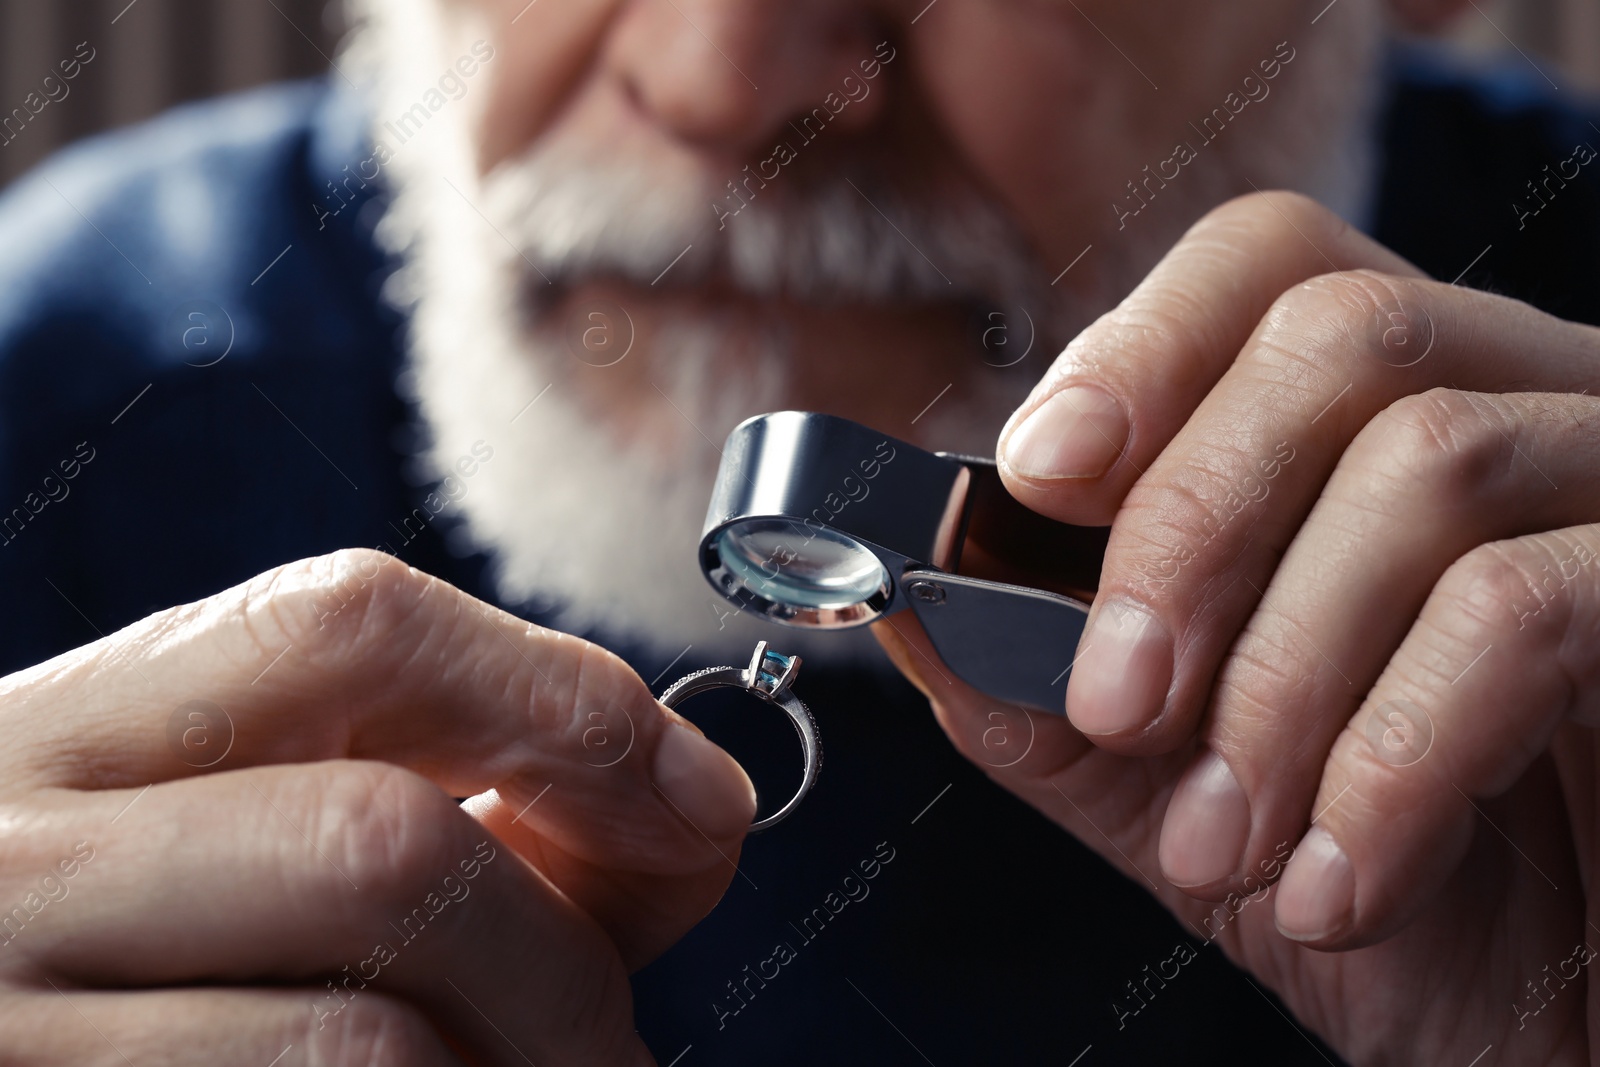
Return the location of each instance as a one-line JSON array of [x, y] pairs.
[[820, 522]]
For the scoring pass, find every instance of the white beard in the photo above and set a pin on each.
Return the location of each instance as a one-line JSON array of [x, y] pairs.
[[575, 516]]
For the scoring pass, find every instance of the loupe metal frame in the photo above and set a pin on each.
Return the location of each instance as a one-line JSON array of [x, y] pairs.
[[915, 511]]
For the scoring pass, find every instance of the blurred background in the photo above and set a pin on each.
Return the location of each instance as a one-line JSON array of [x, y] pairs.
[[151, 54]]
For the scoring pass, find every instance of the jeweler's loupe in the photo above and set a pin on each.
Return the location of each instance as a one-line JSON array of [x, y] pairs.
[[820, 522]]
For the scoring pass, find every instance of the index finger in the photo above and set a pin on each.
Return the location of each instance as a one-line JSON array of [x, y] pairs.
[[1123, 388], [358, 656]]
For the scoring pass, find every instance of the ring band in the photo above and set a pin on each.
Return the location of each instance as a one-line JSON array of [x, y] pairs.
[[769, 676]]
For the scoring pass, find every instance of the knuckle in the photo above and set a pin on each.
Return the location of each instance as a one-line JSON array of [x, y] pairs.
[[1479, 593], [1276, 211], [589, 699], [1441, 441], [1316, 333], [345, 604], [1269, 671], [1343, 301], [1185, 526], [389, 829], [372, 1031]]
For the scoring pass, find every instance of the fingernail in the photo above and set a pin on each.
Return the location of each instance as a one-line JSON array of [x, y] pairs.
[[1077, 433], [705, 784], [1207, 825], [1121, 682], [1317, 896]]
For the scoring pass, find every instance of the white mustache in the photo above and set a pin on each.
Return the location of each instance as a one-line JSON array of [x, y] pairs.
[[836, 239]]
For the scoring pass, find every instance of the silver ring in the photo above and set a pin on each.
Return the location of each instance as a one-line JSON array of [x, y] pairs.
[[769, 676]]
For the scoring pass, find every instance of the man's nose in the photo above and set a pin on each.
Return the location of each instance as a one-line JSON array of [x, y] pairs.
[[727, 75]]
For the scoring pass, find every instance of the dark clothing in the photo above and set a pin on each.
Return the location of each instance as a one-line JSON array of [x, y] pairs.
[[990, 937]]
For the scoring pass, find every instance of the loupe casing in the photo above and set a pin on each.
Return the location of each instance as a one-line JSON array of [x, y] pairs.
[[800, 501]]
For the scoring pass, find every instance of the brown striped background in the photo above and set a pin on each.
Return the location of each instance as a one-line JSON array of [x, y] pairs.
[[154, 53]]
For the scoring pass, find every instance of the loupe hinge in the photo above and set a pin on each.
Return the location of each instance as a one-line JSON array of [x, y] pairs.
[[1008, 641]]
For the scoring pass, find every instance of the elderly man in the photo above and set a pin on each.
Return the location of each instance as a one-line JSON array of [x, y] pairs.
[[489, 299]]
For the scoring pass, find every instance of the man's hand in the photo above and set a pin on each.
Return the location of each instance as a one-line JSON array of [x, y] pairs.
[[229, 834], [1351, 607]]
